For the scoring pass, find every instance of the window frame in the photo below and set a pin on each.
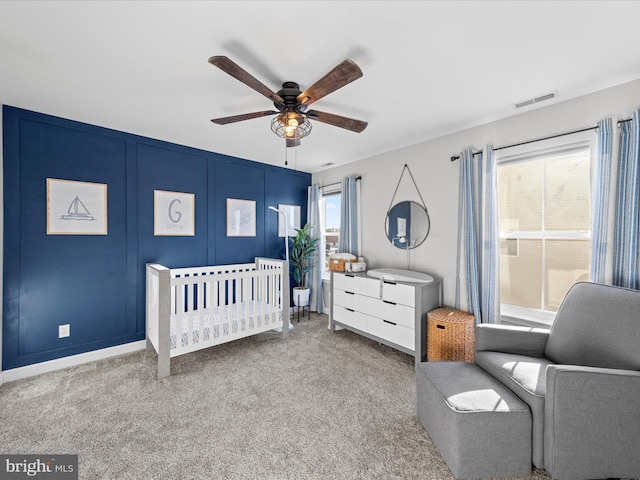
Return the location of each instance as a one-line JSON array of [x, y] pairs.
[[529, 152], [334, 189]]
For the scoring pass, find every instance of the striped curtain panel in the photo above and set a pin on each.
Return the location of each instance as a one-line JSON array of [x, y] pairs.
[[348, 242], [626, 260], [601, 229], [467, 272], [314, 219], [478, 256], [490, 292]]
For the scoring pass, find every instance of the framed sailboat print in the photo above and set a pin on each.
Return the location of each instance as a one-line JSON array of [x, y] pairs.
[[76, 208]]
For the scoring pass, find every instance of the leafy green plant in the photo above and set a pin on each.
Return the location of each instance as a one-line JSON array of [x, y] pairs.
[[303, 248]]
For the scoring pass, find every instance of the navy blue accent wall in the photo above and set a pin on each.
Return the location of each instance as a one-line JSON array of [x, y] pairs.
[[95, 283]]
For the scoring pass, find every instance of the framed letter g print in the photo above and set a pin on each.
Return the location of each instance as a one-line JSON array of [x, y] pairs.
[[173, 213]]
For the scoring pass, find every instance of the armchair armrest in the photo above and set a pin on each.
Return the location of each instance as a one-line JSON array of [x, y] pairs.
[[591, 422], [511, 339]]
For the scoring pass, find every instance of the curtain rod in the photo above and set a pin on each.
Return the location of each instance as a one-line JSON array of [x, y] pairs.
[[456, 157], [359, 177]]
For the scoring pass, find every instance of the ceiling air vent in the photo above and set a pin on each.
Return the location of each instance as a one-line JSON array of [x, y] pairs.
[[533, 101]]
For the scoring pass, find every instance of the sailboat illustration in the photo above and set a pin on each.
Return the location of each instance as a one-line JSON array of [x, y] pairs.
[[77, 211]]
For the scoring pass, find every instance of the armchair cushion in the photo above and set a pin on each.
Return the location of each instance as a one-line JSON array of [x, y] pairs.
[[511, 339], [597, 326], [526, 377]]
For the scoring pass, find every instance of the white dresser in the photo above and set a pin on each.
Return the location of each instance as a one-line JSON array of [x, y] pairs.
[[390, 312]]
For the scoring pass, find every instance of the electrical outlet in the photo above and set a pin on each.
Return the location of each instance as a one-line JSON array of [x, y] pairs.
[[64, 330]]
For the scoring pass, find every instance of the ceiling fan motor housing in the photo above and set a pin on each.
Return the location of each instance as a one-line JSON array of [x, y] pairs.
[[289, 93]]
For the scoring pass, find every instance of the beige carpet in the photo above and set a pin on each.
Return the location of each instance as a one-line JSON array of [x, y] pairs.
[[315, 406]]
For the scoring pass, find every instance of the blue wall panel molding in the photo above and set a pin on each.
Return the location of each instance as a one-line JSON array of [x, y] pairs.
[[244, 181], [296, 194], [95, 283]]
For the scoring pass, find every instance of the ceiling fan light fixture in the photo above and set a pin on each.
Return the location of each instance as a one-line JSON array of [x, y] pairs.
[[291, 125]]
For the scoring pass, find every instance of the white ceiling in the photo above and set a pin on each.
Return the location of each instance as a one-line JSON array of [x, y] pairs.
[[430, 67]]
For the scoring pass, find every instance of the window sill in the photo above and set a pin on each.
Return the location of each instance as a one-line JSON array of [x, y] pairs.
[[511, 315], [523, 322]]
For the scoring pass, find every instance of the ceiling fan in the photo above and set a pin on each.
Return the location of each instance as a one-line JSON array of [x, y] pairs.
[[293, 114]]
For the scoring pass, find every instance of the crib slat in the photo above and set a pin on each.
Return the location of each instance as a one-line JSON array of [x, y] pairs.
[[179, 308], [225, 311], [189, 310], [248, 302], [236, 304], [206, 309], [255, 297], [265, 297]]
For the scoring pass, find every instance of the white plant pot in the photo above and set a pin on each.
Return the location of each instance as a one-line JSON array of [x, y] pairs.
[[301, 296]]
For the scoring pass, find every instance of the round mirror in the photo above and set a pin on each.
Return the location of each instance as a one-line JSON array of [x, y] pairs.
[[407, 225]]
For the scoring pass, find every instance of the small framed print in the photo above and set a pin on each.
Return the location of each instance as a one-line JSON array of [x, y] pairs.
[[241, 218], [76, 208], [173, 213], [292, 213]]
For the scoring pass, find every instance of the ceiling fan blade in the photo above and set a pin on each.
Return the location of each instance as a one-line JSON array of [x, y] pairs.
[[244, 116], [229, 66], [338, 121], [338, 77]]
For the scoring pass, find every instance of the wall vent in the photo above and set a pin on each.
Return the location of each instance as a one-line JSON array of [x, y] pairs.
[[533, 101]]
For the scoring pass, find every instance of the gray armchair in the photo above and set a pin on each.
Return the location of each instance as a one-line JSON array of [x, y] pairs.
[[581, 381]]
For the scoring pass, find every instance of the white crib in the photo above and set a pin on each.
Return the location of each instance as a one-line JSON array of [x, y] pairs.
[[189, 309]]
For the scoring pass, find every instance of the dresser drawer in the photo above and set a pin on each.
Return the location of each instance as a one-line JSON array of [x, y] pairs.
[[398, 334], [350, 283], [392, 292], [350, 317], [395, 312], [344, 299]]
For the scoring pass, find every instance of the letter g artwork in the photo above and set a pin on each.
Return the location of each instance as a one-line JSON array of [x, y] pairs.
[[174, 213]]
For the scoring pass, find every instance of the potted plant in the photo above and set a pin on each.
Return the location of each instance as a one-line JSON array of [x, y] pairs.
[[303, 248]]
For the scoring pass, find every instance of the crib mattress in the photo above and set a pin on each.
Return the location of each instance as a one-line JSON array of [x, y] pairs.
[[220, 322]]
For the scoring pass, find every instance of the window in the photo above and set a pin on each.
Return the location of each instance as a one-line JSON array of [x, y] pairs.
[[330, 211], [544, 213]]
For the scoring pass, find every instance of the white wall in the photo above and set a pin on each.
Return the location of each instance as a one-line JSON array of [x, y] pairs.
[[437, 176]]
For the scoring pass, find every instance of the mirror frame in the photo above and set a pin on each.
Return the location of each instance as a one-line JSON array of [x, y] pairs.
[[422, 238]]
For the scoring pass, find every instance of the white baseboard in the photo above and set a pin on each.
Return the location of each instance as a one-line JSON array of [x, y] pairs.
[[72, 361]]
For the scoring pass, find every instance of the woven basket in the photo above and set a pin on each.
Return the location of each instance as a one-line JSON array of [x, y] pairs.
[[337, 264], [450, 335]]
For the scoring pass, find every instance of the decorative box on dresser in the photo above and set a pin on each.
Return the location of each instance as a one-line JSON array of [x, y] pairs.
[[391, 312]]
